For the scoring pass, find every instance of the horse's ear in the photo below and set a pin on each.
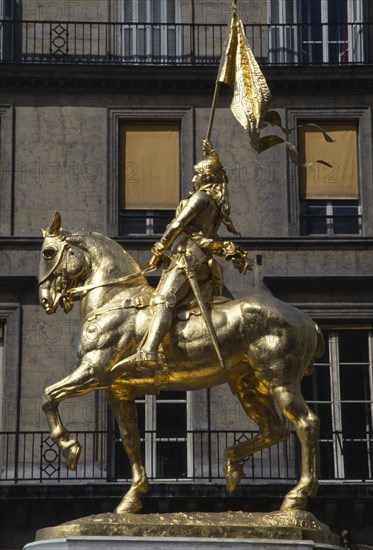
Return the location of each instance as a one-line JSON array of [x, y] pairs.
[[55, 227]]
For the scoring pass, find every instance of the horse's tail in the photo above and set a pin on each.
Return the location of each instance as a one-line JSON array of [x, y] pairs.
[[319, 350]]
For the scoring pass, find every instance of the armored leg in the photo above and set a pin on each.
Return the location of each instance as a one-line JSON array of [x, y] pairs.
[[172, 286], [160, 324]]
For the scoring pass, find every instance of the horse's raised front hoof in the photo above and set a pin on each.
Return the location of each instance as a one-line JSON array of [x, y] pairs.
[[71, 454], [233, 474], [130, 504]]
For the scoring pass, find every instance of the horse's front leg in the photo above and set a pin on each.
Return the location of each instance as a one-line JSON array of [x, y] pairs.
[[81, 381], [125, 413]]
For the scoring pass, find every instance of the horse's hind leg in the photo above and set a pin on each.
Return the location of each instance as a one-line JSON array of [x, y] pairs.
[[125, 413], [81, 381], [259, 406], [306, 424]]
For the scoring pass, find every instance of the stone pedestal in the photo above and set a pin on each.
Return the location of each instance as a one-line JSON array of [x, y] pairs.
[[291, 525], [291, 530], [172, 543]]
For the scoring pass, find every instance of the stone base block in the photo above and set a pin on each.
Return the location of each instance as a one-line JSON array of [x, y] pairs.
[[172, 543], [291, 530]]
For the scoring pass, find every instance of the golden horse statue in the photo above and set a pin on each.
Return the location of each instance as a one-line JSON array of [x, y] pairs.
[[267, 348]]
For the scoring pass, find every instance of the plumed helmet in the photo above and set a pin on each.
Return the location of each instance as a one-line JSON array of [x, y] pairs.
[[210, 166]]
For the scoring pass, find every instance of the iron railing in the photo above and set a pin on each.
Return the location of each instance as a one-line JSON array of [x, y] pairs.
[[196, 456], [185, 44]]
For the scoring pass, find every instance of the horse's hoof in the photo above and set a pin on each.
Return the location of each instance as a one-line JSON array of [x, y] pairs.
[[72, 453], [292, 502], [233, 474], [129, 505]]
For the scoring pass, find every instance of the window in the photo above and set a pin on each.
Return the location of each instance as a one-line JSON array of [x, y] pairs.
[[150, 174], [316, 31], [283, 38], [329, 195], [9, 34], [331, 31], [150, 165], [149, 31], [341, 394], [9, 370], [163, 422]]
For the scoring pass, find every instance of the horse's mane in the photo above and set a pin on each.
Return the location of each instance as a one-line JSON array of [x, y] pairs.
[[103, 247]]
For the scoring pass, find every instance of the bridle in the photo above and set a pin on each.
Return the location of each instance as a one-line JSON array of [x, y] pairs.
[[68, 295]]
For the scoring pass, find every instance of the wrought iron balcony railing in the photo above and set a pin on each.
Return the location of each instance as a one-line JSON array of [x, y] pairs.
[[194, 456], [183, 44]]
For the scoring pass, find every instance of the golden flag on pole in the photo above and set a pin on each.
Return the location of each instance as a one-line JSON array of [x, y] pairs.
[[240, 70], [251, 94]]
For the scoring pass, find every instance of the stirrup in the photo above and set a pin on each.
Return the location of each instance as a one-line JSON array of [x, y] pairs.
[[147, 359]]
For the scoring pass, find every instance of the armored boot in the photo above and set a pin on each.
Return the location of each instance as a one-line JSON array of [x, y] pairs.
[[147, 358]]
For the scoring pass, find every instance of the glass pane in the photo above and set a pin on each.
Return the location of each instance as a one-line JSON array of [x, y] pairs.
[[356, 459], [289, 12], [346, 226], [323, 411], [141, 417], [127, 42], [275, 11], [122, 467], [356, 419], [129, 11], [337, 11], [353, 346], [171, 419], [171, 11], [326, 460], [142, 12], [355, 382], [156, 41], [141, 42], [313, 218], [310, 11], [161, 220], [171, 395], [132, 222], [346, 218], [317, 386], [171, 42], [156, 11], [171, 459]]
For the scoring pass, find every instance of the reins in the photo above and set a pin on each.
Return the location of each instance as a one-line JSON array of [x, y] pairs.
[[145, 269]]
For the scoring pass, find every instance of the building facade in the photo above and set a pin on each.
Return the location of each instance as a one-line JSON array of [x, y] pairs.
[[104, 105]]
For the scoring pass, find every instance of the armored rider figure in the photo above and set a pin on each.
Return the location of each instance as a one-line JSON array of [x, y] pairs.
[[197, 220]]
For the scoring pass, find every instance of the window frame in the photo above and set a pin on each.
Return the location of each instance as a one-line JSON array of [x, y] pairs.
[[283, 52], [362, 116], [148, 26], [336, 401], [151, 218], [293, 26], [7, 169], [150, 437], [10, 318], [116, 116]]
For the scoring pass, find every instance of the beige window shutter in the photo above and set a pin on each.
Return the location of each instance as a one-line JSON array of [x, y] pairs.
[[151, 166], [340, 181]]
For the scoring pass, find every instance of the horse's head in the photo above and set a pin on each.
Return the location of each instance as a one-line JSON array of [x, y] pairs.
[[62, 266]]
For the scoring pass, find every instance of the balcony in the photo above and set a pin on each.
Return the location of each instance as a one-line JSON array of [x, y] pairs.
[[194, 457], [181, 44]]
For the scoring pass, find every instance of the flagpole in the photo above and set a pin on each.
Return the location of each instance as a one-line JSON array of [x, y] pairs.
[[217, 89], [213, 109]]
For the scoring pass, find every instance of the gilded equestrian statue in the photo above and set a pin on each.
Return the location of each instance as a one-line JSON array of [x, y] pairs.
[[266, 348]]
